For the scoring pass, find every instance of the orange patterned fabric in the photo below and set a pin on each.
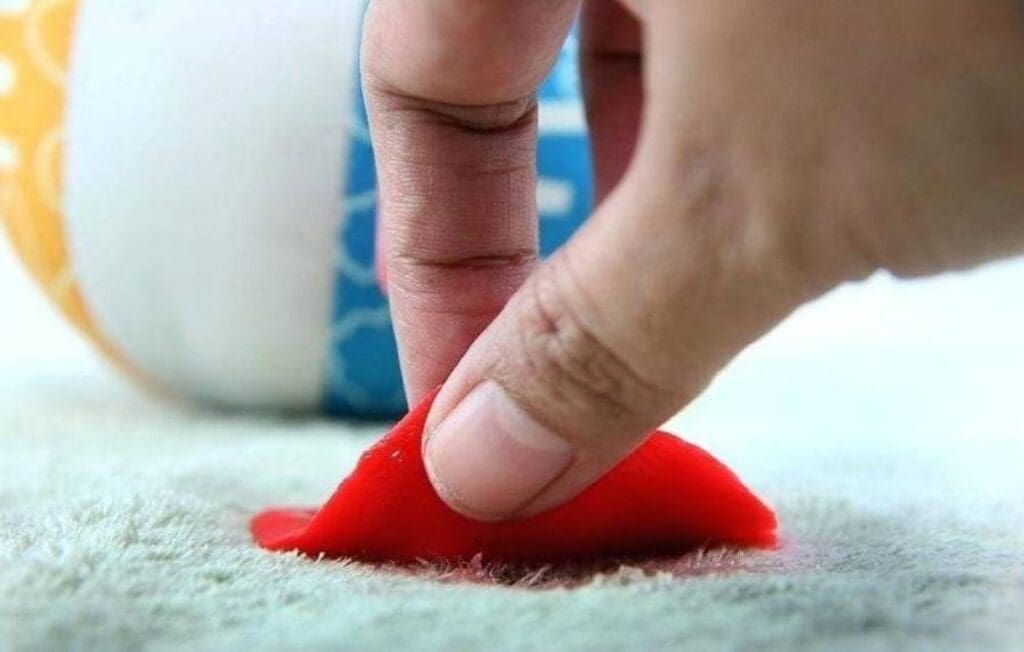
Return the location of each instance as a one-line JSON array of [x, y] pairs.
[[35, 39]]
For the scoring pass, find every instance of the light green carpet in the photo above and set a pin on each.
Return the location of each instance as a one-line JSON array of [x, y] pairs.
[[886, 427]]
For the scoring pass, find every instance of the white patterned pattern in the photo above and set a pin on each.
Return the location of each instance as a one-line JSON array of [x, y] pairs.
[[8, 155], [7, 76]]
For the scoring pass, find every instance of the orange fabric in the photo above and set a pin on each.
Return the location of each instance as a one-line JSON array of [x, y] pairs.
[[34, 49]]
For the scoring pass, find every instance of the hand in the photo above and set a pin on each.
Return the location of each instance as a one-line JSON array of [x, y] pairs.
[[749, 156]]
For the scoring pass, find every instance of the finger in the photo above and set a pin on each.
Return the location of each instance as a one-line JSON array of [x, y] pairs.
[[615, 333], [450, 92], [611, 67]]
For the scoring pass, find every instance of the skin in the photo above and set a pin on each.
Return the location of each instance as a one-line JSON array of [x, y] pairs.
[[749, 157]]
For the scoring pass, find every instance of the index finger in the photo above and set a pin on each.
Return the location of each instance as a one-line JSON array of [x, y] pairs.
[[450, 86]]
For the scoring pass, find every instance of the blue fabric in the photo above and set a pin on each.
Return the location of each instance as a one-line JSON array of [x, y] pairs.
[[362, 376]]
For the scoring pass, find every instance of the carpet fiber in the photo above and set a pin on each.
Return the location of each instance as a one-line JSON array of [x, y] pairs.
[[891, 448]]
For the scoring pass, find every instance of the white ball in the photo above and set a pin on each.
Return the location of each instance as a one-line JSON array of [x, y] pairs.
[[205, 143]]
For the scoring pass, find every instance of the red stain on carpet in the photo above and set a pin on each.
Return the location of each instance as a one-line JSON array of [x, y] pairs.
[[668, 497]]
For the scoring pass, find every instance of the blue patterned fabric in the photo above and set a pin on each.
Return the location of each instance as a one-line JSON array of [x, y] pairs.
[[362, 376]]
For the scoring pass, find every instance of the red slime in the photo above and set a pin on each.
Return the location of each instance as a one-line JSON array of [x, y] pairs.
[[667, 497]]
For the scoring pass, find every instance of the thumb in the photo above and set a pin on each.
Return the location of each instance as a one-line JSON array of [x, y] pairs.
[[603, 342]]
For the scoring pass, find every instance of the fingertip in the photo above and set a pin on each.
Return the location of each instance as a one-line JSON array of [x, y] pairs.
[[489, 459]]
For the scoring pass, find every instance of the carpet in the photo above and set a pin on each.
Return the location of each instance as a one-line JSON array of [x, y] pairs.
[[884, 424]]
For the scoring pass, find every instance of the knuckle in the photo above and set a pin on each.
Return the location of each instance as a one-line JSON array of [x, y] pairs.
[[470, 285], [565, 358], [500, 116], [398, 108], [452, 276]]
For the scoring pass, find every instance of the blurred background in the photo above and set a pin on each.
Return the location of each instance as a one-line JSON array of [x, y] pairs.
[[37, 346], [217, 210], [941, 358]]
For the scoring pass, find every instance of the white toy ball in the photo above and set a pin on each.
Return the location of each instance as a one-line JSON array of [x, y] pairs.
[[191, 182]]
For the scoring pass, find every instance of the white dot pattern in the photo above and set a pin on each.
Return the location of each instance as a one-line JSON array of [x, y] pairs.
[[8, 155], [6, 76]]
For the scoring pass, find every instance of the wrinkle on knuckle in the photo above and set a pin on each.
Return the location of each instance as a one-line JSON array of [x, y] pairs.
[[398, 108], [561, 351], [470, 286], [413, 264], [423, 274]]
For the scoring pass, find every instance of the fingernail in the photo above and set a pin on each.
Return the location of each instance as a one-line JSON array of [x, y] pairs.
[[489, 458]]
